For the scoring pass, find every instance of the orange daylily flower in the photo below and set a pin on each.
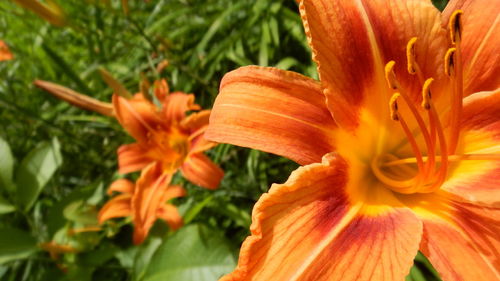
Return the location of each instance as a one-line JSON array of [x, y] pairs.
[[166, 136], [5, 53], [389, 168], [144, 201]]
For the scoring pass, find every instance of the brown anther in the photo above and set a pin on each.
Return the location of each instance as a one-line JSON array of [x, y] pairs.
[[426, 94], [411, 55], [393, 106], [390, 76], [455, 26], [449, 61]]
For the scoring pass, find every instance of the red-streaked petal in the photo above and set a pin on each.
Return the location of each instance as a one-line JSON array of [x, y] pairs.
[[138, 116], [273, 110], [460, 239], [200, 170], [176, 105], [480, 43], [122, 186], [5, 53], [307, 229], [353, 40], [170, 215], [147, 199], [117, 207], [478, 181], [132, 157]]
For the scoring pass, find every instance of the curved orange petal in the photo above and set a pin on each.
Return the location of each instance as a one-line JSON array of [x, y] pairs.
[[353, 40], [480, 43], [122, 186], [5, 53], [478, 180], [117, 207], [273, 110], [147, 199], [200, 170], [137, 115], [195, 121], [307, 229], [170, 214], [176, 105], [481, 112], [460, 239], [173, 191], [132, 157]]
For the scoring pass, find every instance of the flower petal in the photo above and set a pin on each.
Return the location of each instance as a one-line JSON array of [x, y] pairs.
[[170, 214], [460, 239], [176, 105], [200, 170], [275, 111], [138, 116], [132, 157], [145, 201], [117, 207], [307, 229], [480, 43], [196, 121], [478, 180], [353, 40], [122, 186]]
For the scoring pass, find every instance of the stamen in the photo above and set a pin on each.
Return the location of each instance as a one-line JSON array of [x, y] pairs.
[[410, 55], [434, 120], [449, 62], [455, 26], [409, 135], [390, 76], [393, 106], [392, 81], [426, 94]]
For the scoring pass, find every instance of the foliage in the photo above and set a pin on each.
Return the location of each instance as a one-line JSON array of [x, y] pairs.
[[56, 161]]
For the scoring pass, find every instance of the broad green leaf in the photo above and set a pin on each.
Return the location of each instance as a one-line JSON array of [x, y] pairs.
[[35, 171], [194, 253], [144, 255], [5, 206], [15, 244], [6, 166]]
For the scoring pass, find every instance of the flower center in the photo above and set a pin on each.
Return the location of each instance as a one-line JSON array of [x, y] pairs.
[[433, 159], [171, 147]]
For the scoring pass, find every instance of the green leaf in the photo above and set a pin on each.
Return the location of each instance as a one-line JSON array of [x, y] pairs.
[[5, 206], [194, 253], [6, 166], [15, 244], [35, 171]]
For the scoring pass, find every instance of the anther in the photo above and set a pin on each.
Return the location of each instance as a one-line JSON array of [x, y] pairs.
[[390, 76], [411, 54], [455, 26], [449, 61], [393, 106], [426, 94]]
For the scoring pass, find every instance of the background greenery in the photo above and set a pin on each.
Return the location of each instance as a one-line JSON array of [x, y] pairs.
[[57, 160]]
